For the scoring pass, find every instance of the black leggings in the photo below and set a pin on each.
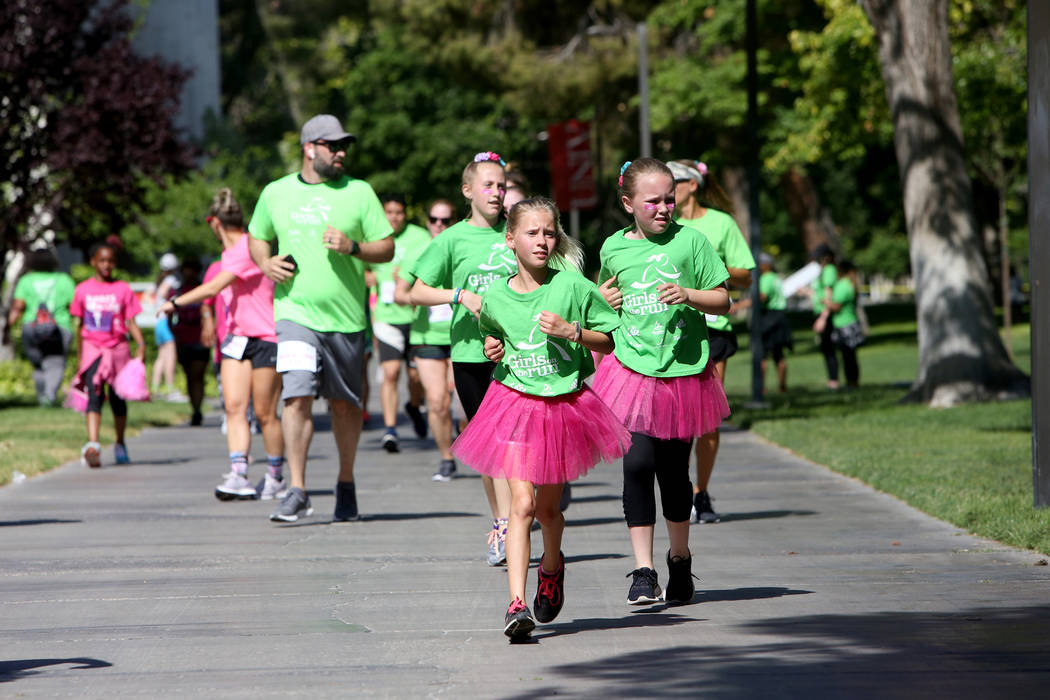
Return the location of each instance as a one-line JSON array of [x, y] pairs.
[[97, 396], [668, 462], [849, 364], [827, 349], [472, 381]]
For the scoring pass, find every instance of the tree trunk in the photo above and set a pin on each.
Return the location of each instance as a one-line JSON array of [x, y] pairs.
[[803, 205], [961, 356]]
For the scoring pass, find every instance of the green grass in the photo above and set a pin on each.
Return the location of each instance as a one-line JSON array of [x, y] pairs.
[[970, 465]]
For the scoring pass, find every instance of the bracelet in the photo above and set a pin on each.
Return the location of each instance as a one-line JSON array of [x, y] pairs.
[[173, 304], [456, 295], [579, 332]]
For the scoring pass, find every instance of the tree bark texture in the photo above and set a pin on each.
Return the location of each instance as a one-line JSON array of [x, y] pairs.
[[961, 356]]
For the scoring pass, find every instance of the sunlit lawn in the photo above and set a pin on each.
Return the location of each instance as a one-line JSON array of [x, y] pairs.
[[970, 465]]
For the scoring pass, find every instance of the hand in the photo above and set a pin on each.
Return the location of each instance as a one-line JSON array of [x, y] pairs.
[[336, 240], [472, 301], [278, 269], [672, 293], [208, 332], [167, 308], [612, 293], [554, 325], [493, 348]]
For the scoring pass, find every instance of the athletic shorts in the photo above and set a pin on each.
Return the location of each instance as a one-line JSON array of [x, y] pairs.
[[261, 353], [162, 332], [430, 352], [722, 343], [316, 363], [391, 340]]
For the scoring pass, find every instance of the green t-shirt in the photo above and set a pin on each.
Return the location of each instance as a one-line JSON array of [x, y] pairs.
[[53, 289], [472, 258], [654, 338], [769, 285], [844, 293], [407, 246], [728, 241], [431, 325], [535, 363], [327, 292], [827, 277]]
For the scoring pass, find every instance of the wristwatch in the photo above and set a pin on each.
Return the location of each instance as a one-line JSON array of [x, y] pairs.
[[355, 247]]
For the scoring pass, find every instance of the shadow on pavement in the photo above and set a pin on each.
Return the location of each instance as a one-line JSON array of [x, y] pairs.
[[419, 516], [585, 522], [715, 595], [641, 618], [595, 499], [35, 521], [976, 652], [764, 514], [20, 668]]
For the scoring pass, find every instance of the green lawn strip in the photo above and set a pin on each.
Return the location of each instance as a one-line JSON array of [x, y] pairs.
[[970, 465]]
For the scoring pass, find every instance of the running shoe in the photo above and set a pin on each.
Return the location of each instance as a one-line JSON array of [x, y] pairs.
[[680, 588], [197, 419], [446, 471], [235, 487], [518, 623], [390, 441], [566, 497], [295, 504], [419, 423], [120, 454], [644, 589], [91, 455], [345, 502], [550, 592], [705, 513], [497, 555], [271, 487]]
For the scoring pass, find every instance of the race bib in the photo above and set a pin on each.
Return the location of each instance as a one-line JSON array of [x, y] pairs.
[[234, 345], [710, 318], [386, 292], [440, 313], [296, 355]]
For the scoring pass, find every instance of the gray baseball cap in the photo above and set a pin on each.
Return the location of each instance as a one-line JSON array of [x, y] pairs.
[[324, 127], [684, 172]]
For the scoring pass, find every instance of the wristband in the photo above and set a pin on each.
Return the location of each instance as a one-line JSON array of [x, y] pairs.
[[456, 295], [579, 332], [355, 247], [173, 304]]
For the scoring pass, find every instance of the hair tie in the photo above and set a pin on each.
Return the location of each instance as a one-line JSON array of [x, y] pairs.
[[623, 169], [489, 156], [701, 166]]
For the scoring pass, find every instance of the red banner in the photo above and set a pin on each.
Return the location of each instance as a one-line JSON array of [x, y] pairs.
[[572, 169]]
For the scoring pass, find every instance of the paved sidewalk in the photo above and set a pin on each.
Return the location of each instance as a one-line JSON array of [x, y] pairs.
[[136, 582]]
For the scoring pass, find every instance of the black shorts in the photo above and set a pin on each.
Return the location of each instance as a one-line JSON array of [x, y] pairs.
[[261, 353], [430, 352], [391, 340], [472, 381], [722, 343]]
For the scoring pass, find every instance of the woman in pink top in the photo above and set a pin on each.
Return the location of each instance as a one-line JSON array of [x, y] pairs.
[[249, 353], [105, 311]]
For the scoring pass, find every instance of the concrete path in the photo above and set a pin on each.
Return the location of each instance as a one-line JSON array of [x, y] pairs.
[[136, 582]]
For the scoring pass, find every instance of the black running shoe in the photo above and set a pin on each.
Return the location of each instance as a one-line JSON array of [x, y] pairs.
[[680, 588], [518, 623], [419, 422], [550, 594], [445, 471], [390, 441], [645, 588], [705, 513], [345, 502]]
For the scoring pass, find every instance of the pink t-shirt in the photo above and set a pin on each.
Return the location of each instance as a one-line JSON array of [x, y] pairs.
[[105, 308], [250, 297]]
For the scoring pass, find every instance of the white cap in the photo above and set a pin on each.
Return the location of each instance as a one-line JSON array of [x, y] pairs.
[[169, 262]]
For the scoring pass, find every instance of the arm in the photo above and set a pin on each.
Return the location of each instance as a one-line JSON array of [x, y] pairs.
[[18, 307], [76, 337], [555, 326], [199, 293], [739, 277], [709, 301], [370, 251], [274, 267], [136, 334], [425, 295], [403, 293]]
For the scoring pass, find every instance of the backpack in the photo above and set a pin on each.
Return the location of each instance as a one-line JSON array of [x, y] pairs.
[[43, 330]]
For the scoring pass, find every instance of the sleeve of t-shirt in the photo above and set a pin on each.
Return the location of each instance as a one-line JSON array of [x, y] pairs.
[[737, 252], [373, 218], [131, 304], [261, 225], [238, 261], [710, 270], [604, 273], [486, 321], [77, 307], [597, 314], [434, 264], [209, 275]]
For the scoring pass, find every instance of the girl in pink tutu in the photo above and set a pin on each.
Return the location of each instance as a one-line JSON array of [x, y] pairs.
[[105, 310], [662, 277], [539, 426]]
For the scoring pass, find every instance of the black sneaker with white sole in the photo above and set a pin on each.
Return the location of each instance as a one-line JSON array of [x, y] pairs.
[[705, 512], [680, 588], [518, 622], [446, 471], [390, 441], [550, 593], [645, 587], [296, 504]]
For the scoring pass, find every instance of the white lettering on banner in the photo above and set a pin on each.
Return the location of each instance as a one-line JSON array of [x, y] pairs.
[[234, 345], [296, 355]]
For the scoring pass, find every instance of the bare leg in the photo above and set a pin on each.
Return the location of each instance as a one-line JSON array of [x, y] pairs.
[[519, 543], [642, 544], [432, 376], [678, 534], [346, 425], [548, 512], [388, 391], [236, 388], [266, 388], [415, 387], [297, 425], [707, 445], [120, 423], [94, 422]]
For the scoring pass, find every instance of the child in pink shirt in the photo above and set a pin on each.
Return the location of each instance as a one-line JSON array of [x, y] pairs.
[[105, 310]]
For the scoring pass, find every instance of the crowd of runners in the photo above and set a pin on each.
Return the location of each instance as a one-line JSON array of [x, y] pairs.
[[489, 322]]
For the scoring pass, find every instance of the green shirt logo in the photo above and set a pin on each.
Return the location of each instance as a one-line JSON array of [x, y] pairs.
[[661, 271]]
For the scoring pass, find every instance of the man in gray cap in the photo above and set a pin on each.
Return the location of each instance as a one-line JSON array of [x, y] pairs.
[[327, 225]]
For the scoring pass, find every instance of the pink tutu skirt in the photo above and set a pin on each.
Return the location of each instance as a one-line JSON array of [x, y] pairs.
[[540, 439], [679, 408]]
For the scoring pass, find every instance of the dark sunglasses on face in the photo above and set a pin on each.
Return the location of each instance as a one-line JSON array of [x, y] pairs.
[[335, 146], [446, 220]]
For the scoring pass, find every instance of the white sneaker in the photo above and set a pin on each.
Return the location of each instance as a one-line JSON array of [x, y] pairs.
[[234, 486], [271, 488]]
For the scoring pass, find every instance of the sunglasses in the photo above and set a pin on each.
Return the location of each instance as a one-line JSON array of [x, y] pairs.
[[446, 220], [335, 146]]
